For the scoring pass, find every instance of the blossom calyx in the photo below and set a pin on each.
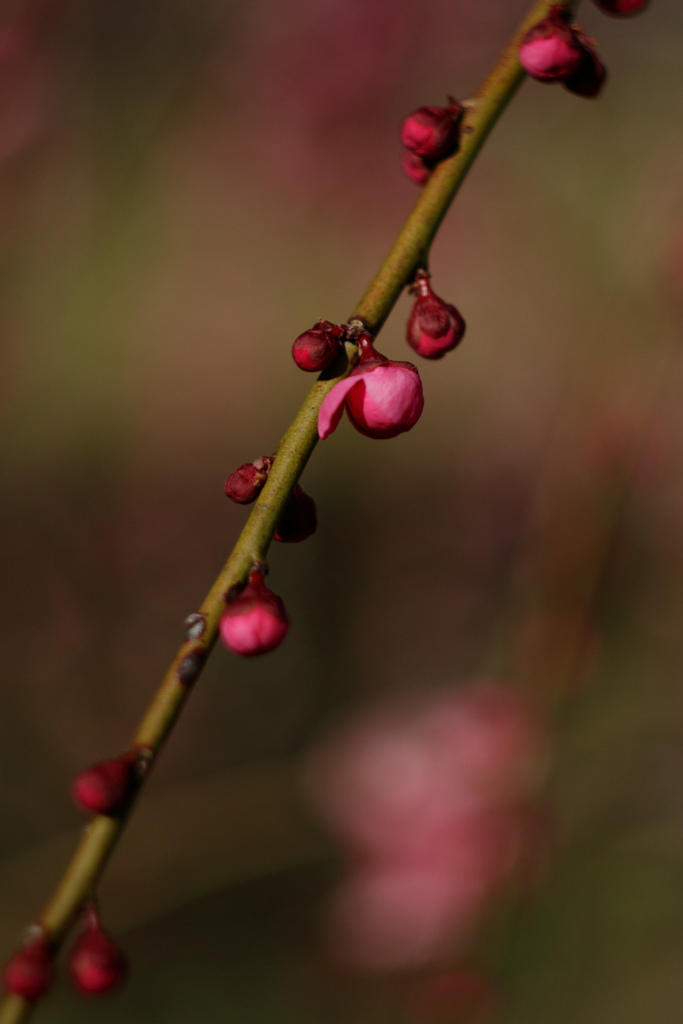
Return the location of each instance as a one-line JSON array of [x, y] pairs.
[[382, 397], [105, 787], [315, 349], [30, 971], [255, 621], [96, 963], [247, 482], [551, 50], [433, 132], [299, 519], [434, 326]]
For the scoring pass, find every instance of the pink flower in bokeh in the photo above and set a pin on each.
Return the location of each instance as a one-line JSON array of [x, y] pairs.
[[431, 803], [551, 50]]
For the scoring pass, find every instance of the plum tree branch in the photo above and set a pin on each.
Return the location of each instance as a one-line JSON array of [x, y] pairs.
[[409, 251]]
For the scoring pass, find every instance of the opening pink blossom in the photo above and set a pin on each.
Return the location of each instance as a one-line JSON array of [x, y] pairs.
[[382, 398]]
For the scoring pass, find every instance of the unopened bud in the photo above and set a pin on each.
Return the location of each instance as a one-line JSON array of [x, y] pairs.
[[30, 971], [458, 994], [416, 167], [96, 963], [590, 77], [255, 621], [104, 788], [247, 482], [552, 50], [433, 132], [299, 519], [434, 326], [315, 349]]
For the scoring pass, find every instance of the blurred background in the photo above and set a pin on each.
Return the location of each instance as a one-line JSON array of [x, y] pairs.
[[184, 189]]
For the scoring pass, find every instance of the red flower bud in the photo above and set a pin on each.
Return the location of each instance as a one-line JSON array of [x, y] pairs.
[[589, 79], [382, 397], [433, 132], [96, 963], [434, 326], [315, 349], [416, 167], [30, 971], [299, 519], [552, 49], [621, 8], [104, 787], [255, 622], [247, 482]]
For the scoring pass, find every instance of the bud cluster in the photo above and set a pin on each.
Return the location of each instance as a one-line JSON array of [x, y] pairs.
[[300, 517], [96, 964], [556, 51], [30, 972], [430, 134]]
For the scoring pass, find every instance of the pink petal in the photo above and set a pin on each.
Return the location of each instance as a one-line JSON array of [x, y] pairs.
[[333, 405], [392, 402]]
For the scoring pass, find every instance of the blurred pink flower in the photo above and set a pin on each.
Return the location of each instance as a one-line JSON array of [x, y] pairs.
[[383, 400], [431, 803]]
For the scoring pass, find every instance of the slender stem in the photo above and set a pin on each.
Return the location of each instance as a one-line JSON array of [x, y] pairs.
[[408, 253]]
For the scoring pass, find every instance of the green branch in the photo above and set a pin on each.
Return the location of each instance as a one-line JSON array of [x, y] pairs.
[[409, 251]]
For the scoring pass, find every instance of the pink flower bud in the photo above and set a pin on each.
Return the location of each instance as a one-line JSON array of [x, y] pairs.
[[299, 519], [433, 132], [315, 349], [387, 917], [255, 622], [434, 326], [551, 50], [96, 963], [621, 8], [382, 397], [247, 482], [590, 77], [104, 787], [30, 971], [416, 167]]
